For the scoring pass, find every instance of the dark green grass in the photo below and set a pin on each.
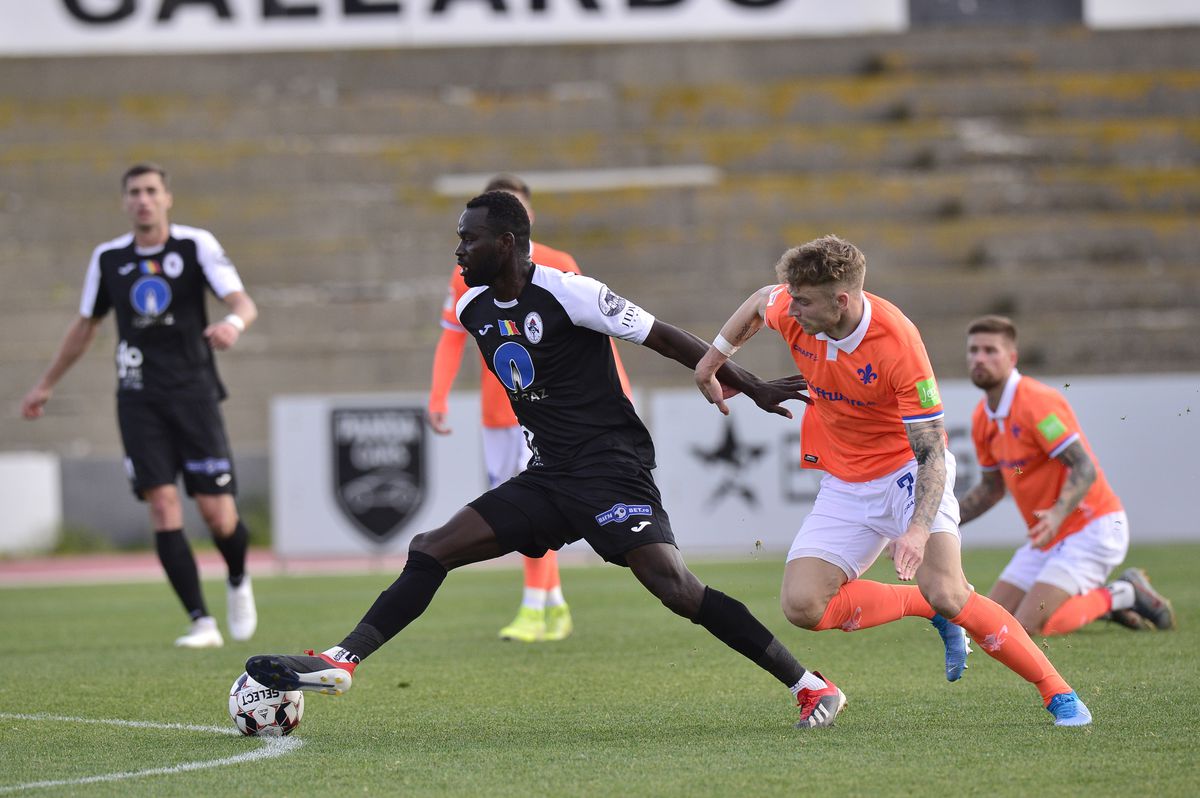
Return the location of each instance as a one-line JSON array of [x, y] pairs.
[[637, 702]]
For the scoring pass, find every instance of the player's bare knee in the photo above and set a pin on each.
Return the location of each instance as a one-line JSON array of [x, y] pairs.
[[803, 610], [946, 595]]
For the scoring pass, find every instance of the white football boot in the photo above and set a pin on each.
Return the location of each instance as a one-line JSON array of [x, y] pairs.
[[242, 614], [203, 634]]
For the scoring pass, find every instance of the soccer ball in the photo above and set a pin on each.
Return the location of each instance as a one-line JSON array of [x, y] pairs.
[[264, 711]]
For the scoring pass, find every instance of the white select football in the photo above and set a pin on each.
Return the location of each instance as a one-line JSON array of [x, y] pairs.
[[264, 711]]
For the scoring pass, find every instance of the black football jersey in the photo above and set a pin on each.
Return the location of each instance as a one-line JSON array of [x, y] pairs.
[[550, 350], [158, 298]]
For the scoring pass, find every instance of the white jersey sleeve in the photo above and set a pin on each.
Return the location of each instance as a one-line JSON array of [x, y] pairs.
[[91, 281], [590, 303], [91, 285], [219, 270]]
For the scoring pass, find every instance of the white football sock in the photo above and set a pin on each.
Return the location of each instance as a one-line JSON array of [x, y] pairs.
[[534, 598], [554, 597], [809, 681], [1122, 594]]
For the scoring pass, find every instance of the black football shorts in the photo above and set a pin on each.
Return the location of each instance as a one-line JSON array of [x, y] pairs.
[[166, 438], [615, 509]]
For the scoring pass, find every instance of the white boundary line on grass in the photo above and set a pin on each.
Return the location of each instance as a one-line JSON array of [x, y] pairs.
[[272, 747]]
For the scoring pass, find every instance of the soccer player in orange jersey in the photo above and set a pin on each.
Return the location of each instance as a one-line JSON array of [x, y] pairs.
[[875, 427], [543, 614], [1029, 444]]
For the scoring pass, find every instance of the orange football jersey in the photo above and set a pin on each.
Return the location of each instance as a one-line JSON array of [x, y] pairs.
[[1022, 437], [864, 389]]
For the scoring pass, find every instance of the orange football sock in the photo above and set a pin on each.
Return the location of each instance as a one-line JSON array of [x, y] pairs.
[[1078, 611], [541, 573], [1002, 638], [861, 604]]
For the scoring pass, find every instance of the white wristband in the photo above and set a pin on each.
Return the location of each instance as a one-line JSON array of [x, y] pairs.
[[235, 321], [724, 347]]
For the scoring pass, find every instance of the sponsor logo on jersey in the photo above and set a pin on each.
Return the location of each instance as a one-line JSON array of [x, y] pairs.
[[484, 330], [224, 480], [640, 526], [810, 458], [172, 264], [1052, 428], [126, 269], [775, 292], [379, 467], [927, 393], [610, 303], [129, 366], [513, 366], [150, 296], [620, 511], [509, 328], [533, 328], [804, 352], [837, 396]]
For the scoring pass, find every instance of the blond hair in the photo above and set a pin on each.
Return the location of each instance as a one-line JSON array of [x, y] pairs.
[[828, 260]]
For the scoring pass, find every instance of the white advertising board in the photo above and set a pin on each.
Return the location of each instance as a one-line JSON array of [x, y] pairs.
[[344, 464], [735, 484], [362, 474], [80, 27]]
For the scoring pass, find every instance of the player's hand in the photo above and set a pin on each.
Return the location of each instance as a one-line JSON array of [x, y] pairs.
[[437, 422], [33, 405], [710, 387], [770, 396], [1046, 526], [908, 551], [221, 335]]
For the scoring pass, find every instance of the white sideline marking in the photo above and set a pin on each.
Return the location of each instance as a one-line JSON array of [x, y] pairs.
[[272, 747]]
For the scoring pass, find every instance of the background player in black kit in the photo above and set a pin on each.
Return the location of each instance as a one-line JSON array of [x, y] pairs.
[[545, 334], [168, 391]]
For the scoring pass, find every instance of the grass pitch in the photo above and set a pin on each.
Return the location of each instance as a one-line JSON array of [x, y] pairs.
[[636, 702]]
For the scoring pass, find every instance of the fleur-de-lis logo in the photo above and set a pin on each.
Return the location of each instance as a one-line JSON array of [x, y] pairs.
[[867, 375]]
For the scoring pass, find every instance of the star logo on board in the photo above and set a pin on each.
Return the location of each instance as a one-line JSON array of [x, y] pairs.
[[732, 456]]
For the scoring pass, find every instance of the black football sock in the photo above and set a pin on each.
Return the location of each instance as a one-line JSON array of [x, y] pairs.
[[177, 560], [731, 623], [233, 549], [398, 606]]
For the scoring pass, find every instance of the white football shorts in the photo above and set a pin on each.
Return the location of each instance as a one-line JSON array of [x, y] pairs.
[[1078, 562], [852, 522], [504, 453]]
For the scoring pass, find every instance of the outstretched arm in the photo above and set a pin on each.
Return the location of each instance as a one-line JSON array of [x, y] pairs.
[[740, 328], [684, 347], [77, 340]]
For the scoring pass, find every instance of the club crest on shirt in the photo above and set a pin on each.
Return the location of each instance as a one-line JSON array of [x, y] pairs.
[[379, 467], [533, 328], [172, 265]]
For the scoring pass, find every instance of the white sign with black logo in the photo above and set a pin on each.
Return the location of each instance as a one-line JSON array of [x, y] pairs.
[[379, 466]]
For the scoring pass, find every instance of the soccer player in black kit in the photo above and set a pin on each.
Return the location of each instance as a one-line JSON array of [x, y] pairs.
[[154, 280], [545, 334]]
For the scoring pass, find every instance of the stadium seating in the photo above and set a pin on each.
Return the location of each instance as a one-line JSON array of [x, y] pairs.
[[1049, 174]]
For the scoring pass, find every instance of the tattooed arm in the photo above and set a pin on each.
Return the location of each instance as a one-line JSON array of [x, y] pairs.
[[928, 442], [982, 497], [1081, 473]]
